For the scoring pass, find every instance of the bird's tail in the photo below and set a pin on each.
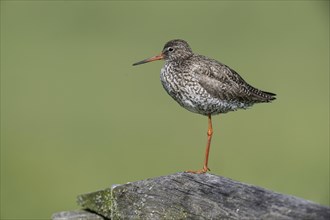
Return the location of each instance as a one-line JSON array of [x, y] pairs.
[[265, 96], [261, 96]]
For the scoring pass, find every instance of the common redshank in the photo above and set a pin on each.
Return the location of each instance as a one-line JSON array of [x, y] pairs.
[[204, 86]]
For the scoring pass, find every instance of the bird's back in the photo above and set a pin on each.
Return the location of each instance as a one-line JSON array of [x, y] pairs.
[[224, 83]]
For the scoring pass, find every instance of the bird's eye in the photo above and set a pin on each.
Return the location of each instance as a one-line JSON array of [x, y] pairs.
[[170, 49]]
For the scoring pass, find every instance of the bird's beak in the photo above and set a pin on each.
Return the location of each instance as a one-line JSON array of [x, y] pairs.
[[158, 57]]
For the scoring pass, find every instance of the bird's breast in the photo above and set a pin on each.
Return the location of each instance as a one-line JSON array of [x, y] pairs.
[[178, 83], [184, 88]]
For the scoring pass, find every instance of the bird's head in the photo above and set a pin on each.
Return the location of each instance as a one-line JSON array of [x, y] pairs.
[[174, 50]]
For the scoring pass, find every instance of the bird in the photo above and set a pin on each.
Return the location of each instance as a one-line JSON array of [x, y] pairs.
[[204, 86]]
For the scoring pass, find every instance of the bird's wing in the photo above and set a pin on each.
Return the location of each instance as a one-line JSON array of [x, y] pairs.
[[222, 82]]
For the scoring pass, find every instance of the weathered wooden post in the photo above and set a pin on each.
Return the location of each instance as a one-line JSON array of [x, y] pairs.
[[192, 196]]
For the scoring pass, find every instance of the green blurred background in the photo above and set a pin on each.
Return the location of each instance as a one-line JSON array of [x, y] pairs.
[[77, 117]]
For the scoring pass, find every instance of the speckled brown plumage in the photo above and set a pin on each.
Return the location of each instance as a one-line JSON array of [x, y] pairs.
[[204, 85]]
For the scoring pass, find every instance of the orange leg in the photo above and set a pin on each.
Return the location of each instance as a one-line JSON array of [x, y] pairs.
[[207, 151]]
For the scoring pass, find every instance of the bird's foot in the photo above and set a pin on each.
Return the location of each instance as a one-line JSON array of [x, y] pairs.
[[204, 170]]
